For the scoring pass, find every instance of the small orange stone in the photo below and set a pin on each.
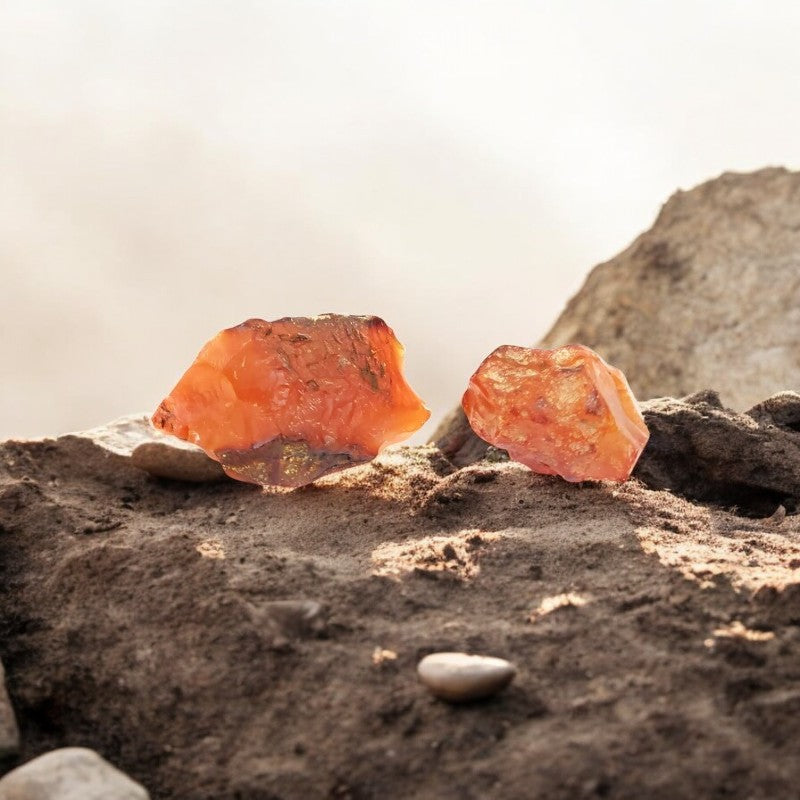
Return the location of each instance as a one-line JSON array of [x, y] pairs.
[[560, 412], [286, 402]]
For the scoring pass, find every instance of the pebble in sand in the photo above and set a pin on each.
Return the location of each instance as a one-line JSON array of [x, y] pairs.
[[459, 677]]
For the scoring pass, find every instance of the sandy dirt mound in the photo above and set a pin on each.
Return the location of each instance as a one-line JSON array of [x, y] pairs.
[[215, 641]]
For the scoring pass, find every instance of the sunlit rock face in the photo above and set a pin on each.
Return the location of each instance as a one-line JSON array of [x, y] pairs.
[[560, 412], [286, 402]]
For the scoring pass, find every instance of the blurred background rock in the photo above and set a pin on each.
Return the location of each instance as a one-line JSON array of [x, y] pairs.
[[169, 169]]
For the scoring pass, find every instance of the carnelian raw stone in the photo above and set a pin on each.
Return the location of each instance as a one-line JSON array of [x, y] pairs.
[[560, 412], [283, 403]]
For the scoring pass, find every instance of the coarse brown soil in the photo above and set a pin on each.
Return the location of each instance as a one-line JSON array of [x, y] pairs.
[[657, 640]]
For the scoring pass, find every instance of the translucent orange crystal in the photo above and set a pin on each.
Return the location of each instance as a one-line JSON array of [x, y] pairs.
[[286, 402], [560, 412]]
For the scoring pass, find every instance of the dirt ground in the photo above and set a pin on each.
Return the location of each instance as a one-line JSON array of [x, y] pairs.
[[657, 640]]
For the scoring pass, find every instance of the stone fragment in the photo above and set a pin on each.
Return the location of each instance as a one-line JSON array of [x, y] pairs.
[[706, 452], [782, 410], [281, 622], [123, 435], [133, 436], [9, 732], [560, 412], [296, 618], [71, 773], [284, 403], [459, 677], [182, 463]]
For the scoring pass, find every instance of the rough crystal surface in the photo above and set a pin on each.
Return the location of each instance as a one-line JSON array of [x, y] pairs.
[[560, 412], [286, 402]]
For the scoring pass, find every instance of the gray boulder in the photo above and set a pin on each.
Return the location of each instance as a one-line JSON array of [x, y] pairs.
[[71, 773]]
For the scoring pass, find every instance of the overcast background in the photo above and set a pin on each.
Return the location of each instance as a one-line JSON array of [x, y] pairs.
[[170, 169]]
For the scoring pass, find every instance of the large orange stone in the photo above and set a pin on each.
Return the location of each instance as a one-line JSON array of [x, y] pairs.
[[560, 412], [286, 402]]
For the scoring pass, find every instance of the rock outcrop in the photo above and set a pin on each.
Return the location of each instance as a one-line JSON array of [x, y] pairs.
[[750, 462], [708, 297]]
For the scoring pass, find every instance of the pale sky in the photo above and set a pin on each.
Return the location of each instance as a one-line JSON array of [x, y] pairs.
[[170, 169]]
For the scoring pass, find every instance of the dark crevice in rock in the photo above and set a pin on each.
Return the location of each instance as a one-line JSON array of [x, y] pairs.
[[746, 500]]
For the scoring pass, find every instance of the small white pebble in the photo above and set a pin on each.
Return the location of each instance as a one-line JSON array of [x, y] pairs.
[[459, 677]]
